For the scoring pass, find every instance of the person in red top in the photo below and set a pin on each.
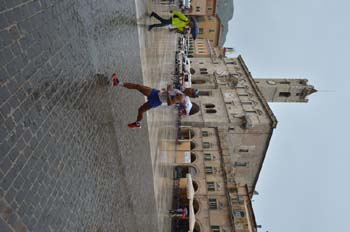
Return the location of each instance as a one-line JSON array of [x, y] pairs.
[[181, 211]]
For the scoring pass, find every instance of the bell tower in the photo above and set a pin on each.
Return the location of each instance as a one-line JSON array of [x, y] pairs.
[[285, 90]]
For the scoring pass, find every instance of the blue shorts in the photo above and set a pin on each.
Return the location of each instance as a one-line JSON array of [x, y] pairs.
[[153, 99]]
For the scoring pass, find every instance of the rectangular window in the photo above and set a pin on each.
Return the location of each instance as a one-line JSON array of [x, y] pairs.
[[211, 30], [230, 61], [205, 133], [215, 228], [211, 186], [241, 164], [213, 203], [285, 82], [250, 111], [201, 30], [198, 8], [206, 145], [238, 213], [247, 103], [208, 170], [243, 95], [243, 150], [284, 94], [207, 156], [200, 18]]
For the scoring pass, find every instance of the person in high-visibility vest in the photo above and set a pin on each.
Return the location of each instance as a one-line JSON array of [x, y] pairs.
[[179, 21]]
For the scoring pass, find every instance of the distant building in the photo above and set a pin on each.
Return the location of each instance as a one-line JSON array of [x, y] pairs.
[[202, 7], [224, 146], [213, 17], [209, 28]]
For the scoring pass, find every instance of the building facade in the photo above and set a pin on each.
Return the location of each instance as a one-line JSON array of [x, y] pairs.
[[220, 204], [209, 28], [225, 144], [203, 7]]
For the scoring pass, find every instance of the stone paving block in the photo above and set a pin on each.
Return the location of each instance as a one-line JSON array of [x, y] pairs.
[[11, 17], [5, 38], [5, 164], [13, 154], [5, 210], [16, 49], [10, 195], [4, 148], [10, 124], [6, 56], [5, 109], [4, 93], [12, 85], [4, 227]]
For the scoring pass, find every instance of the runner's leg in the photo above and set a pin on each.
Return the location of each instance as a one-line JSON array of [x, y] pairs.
[[141, 88], [142, 110]]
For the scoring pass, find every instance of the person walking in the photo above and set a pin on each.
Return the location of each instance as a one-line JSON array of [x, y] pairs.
[[183, 212], [178, 21], [157, 97]]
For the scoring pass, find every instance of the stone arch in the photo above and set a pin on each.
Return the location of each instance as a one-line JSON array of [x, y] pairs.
[[197, 227], [186, 133], [193, 145], [193, 157], [195, 185], [196, 206], [182, 170]]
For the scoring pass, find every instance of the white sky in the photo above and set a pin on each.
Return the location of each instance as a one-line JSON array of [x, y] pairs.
[[304, 182]]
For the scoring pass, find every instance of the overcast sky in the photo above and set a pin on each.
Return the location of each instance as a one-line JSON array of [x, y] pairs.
[[304, 183]]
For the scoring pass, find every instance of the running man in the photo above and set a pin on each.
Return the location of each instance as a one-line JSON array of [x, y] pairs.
[[157, 97]]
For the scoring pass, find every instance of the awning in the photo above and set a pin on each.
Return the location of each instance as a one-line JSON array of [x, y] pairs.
[[189, 187], [192, 219]]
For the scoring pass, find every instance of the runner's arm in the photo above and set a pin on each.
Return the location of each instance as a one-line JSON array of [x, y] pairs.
[[175, 99], [169, 87]]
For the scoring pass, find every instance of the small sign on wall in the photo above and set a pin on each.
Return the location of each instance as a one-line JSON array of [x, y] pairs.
[[187, 156]]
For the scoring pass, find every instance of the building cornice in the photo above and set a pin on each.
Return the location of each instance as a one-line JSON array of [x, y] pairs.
[[258, 92], [250, 209], [270, 113]]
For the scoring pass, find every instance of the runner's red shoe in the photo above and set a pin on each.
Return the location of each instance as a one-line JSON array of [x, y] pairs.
[[115, 80], [134, 125]]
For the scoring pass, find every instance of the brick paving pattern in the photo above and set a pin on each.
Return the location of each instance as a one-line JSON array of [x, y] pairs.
[[68, 162]]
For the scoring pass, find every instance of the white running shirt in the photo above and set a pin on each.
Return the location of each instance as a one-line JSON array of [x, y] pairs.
[[163, 94]]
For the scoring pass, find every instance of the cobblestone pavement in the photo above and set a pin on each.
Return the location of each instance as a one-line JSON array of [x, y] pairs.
[[68, 161]]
